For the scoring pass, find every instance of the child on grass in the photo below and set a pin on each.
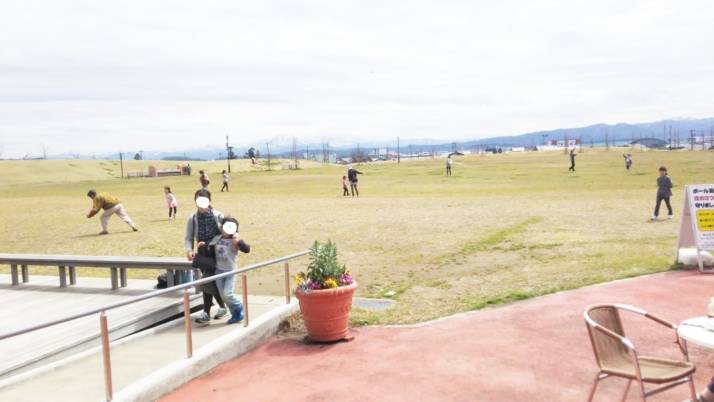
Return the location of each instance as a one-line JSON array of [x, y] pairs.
[[345, 187], [171, 202]]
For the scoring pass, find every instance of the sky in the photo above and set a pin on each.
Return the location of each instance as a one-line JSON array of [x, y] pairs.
[[89, 76]]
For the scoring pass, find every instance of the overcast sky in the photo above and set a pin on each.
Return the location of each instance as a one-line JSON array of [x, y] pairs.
[[95, 76]]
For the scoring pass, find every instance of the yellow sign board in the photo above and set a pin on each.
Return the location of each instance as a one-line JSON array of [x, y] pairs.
[[705, 220]]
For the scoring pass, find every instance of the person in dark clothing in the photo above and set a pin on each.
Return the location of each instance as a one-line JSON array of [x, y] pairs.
[[201, 227], [352, 176], [664, 191], [572, 160]]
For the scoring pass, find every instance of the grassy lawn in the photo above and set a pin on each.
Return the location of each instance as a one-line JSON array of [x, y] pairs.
[[503, 228]]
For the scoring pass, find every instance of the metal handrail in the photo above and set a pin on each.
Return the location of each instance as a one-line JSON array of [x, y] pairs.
[[150, 295], [104, 327]]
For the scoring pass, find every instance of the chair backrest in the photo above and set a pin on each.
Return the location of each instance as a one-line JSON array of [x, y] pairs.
[[609, 351]]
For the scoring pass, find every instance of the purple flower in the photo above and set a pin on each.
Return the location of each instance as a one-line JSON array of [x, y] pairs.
[[346, 279]]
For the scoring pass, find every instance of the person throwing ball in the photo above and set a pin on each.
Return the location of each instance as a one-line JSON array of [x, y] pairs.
[[110, 205]]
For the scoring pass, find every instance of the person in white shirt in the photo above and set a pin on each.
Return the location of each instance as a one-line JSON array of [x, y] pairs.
[[171, 202], [449, 162]]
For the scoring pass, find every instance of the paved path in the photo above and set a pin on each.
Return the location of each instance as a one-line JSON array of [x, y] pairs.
[[535, 350]]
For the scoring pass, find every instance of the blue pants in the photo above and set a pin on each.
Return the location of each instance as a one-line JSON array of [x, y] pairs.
[[226, 287]]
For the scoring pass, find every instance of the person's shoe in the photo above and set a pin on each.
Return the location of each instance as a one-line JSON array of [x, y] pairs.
[[103, 232], [653, 218], [203, 318], [669, 216], [220, 314], [134, 228], [236, 318]]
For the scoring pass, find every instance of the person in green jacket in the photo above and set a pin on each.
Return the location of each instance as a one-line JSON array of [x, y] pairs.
[[110, 205]]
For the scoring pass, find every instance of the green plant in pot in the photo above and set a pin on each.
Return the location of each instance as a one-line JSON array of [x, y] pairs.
[[325, 294]]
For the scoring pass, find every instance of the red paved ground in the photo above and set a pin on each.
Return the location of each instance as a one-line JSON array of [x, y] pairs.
[[536, 350]]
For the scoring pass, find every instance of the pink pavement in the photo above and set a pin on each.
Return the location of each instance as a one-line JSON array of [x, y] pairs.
[[534, 350]]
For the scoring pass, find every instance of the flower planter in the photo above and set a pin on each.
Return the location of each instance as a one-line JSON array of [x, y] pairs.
[[326, 312]]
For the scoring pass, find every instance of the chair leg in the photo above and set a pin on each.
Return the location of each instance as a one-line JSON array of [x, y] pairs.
[[627, 390], [642, 390], [594, 387], [692, 390]]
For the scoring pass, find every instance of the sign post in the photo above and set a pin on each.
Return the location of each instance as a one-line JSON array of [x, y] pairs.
[[697, 227]]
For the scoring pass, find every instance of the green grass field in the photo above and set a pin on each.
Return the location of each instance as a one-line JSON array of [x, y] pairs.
[[503, 228]]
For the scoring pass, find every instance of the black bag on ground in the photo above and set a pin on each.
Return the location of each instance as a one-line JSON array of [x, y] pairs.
[[161, 282]]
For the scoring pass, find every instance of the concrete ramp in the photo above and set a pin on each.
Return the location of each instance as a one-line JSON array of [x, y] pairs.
[[145, 365], [42, 300]]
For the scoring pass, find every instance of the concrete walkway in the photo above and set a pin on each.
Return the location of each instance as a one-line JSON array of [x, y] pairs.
[[535, 350]]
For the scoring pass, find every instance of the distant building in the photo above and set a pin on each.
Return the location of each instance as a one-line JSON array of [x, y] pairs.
[[561, 143], [650, 143]]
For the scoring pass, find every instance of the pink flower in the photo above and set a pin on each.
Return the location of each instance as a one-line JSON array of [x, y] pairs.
[[346, 279]]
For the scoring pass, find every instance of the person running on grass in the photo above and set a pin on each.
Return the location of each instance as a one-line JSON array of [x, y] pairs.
[[110, 205], [572, 160], [352, 176], [171, 202], [201, 227], [449, 162], [225, 181], [664, 191], [628, 161], [227, 244]]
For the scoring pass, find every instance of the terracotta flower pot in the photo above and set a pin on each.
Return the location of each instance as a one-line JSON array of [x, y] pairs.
[[326, 312]]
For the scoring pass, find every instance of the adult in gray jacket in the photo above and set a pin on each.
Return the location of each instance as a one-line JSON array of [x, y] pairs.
[[664, 191], [201, 227]]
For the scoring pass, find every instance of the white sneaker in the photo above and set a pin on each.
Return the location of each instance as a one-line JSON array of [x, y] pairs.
[[654, 218], [669, 217]]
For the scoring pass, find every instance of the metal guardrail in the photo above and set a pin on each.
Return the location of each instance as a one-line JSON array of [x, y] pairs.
[[118, 266], [103, 325]]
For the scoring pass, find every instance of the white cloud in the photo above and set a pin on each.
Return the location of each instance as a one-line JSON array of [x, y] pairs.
[[90, 76]]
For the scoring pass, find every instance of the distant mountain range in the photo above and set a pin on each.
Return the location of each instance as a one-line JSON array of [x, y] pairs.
[[677, 129]]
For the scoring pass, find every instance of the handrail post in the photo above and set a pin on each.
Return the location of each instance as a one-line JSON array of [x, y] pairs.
[[187, 323], [287, 283], [244, 285], [13, 274], [103, 327]]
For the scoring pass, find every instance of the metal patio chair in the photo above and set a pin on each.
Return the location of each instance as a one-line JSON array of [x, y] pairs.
[[616, 355]]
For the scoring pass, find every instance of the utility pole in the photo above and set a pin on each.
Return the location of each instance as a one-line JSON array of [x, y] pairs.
[[267, 144], [229, 154], [295, 152], [670, 137], [121, 164], [691, 140], [399, 156]]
